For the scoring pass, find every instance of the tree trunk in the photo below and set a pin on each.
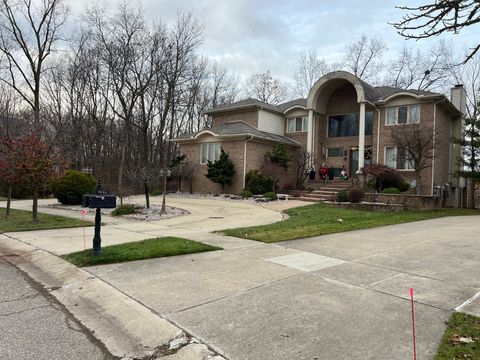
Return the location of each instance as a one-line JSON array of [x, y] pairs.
[[471, 199], [9, 201], [35, 204], [417, 187], [147, 195]]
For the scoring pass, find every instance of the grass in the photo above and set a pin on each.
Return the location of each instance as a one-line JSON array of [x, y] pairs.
[[321, 219], [146, 249], [460, 326], [20, 220]]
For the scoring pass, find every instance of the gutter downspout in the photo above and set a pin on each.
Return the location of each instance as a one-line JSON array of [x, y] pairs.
[[434, 140], [245, 161], [378, 134]]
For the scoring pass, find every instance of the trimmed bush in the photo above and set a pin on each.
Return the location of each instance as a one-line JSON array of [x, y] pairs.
[[404, 186], [391, 190], [156, 193], [246, 194], [342, 196], [382, 177], [270, 195], [125, 209], [355, 195], [69, 188], [257, 183]]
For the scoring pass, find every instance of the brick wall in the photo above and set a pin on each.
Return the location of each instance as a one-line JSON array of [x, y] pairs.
[[235, 149]]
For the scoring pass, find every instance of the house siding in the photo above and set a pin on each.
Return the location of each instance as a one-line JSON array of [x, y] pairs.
[[270, 122]]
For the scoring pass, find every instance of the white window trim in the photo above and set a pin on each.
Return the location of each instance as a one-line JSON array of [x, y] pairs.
[[395, 159], [396, 114], [304, 122], [201, 146]]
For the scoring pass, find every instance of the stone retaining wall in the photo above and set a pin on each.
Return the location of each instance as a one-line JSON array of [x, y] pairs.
[[407, 200]]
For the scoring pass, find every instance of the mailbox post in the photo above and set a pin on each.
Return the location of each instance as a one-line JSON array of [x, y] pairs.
[[99, 200]]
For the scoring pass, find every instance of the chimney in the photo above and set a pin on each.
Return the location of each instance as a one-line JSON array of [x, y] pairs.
[[458, 97]]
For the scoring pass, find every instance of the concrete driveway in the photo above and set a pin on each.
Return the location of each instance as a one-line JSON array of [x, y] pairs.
[[341, 296], [205, 215]]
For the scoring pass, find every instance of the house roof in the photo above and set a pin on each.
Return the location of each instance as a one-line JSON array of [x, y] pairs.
[[244, 104], [383, 92], [237, 128], [372, 94]]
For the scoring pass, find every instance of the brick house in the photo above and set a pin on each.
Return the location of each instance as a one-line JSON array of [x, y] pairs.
[[343, 122]]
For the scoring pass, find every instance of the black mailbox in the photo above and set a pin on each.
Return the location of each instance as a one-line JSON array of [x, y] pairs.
[[104, 201]]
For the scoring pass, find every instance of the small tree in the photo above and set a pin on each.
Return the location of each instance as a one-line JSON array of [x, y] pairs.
[[36, 165], [9, 175], [278, 159], [222, 170], [302, 161], [470, 160], [416, 143]]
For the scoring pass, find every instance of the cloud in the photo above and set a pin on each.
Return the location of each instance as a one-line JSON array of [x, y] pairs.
[[249, 36]]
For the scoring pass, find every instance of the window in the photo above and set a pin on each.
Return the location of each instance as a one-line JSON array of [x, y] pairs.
[[403, 115], [209, 152], [348, 124], [395, 158], [334, 152], [297, 124]]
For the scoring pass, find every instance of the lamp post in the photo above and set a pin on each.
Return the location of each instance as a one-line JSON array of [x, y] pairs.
[[165, 172]]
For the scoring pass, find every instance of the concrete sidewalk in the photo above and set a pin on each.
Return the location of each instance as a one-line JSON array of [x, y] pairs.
[[206, 215], [341, 296]]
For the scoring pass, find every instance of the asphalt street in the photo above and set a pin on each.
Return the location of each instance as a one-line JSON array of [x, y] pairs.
[[33, 325]]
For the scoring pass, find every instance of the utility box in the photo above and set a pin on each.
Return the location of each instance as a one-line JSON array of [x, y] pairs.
[[104, 201]]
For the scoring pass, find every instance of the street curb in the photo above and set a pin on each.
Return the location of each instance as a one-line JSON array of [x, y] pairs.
[[128, 329]]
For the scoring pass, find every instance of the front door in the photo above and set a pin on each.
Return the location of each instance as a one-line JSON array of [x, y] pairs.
[[354, 162]]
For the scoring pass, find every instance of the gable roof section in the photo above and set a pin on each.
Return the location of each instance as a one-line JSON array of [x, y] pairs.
[[244, 104], [383, 92], [235, 129]]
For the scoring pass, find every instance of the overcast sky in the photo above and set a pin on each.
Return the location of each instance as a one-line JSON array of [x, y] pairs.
[[252, 36]]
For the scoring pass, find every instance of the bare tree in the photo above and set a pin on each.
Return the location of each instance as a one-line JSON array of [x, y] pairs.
[[364, 57], [310, 68], [434, 18], [302, 162], [428, 69], [415, 144], [29, 29], [266, 88]]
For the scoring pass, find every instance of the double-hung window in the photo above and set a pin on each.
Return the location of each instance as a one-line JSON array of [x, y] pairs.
[[408, 114], [396, 158], [209, 152], [297, 124]]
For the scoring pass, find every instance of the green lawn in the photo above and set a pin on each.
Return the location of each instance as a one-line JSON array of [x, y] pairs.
[[146, 249], [321, 219], [452, 347], [20, 220]]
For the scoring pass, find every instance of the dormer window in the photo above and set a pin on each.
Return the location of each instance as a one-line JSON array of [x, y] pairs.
[[297, 124]]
